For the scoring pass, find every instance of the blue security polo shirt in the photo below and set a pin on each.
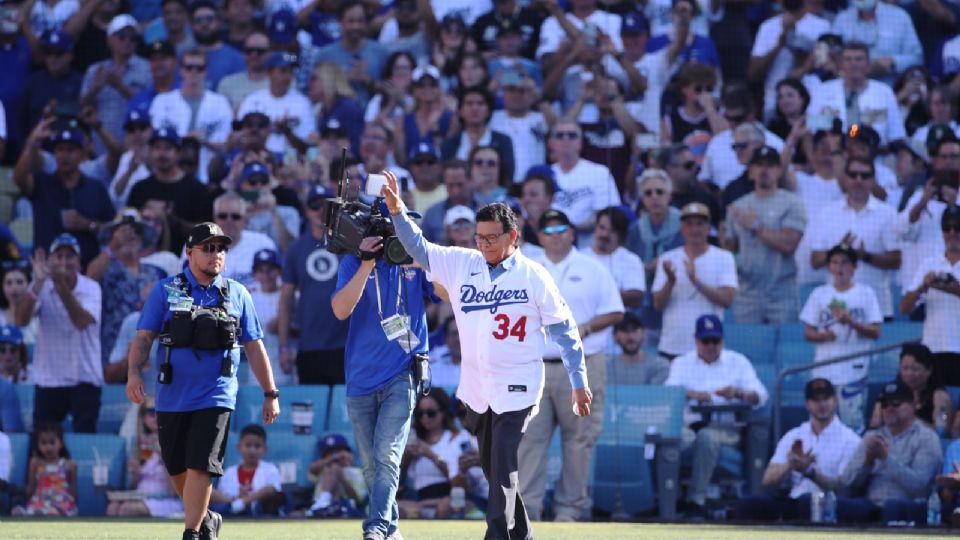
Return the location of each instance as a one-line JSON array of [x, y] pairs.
[[197, 383], [371, 361]]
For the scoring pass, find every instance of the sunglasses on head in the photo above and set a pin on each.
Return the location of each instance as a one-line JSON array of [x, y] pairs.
[[18, 264], [214, 248], [8, 348], [224, 216], [654, 191], [569, 135], [555, 229], [429, 413], [739, 146]]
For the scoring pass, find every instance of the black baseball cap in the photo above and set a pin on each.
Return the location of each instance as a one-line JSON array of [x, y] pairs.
[[896, 390], [554, 215], [161, 48], [819, 388], [864, 134], [203, 232], [950, 216], [627, 323], [843, 249], [766, 155], [939, 134]]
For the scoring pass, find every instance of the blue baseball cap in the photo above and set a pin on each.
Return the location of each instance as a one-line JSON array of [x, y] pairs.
[[65, 240], [136, 117], [57, 40], [635, 22], [332, 441], [318, 191], [252, 169], [424, 148], [283, 27], [266, 256], [72, 135], [10, 334], [166, 133], [281, 59], [709, 326]]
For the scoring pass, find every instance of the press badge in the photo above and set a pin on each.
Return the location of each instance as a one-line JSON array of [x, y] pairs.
[[395, 326]]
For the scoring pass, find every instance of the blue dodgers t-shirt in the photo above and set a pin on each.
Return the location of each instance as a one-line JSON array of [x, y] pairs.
[[197, 383], [371, 361], [313, 270]]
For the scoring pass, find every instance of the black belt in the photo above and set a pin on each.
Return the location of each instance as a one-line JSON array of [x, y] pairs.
[[552, 360]]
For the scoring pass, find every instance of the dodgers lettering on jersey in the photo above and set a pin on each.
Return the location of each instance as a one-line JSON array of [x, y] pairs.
[[473, 300]]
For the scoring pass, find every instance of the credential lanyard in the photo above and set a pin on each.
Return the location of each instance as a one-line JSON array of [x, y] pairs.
[[376, 281]]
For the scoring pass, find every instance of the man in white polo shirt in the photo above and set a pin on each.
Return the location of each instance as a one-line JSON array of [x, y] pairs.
[[937, 281], [594, 298], [864, 222], [810, 458], [691, 280], [506, 307], [288, 109]]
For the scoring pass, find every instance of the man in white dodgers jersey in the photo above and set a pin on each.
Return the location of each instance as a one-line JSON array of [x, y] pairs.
[[505, 305]]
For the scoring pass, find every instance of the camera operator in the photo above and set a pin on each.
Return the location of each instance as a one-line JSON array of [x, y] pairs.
[[504, 328], [388, 336], [201, 318]]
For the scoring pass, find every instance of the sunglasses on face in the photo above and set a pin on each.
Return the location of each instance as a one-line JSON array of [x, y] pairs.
[[214, 248], [555, 229], [860, 175], [739, 146], [485, 163], [891, 403], [425, 162], [258, 180], [429, 413], [701, 89], [19, 264], [256, 50], [225, 216], [710, 341], [655, 191], [196, 68], [568, 135], [8, 348]]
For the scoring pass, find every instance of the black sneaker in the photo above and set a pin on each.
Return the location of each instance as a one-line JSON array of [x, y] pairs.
[[210, 527], [190, 534]]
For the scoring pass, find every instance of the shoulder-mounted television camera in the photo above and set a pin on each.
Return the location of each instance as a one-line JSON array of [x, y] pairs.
[[349, 222]]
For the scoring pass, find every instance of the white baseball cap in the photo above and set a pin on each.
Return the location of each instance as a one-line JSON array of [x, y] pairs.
[[120, 22], [457, 213]]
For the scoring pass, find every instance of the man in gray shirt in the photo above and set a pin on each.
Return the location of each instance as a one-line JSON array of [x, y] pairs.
[[765, 227], [633, 365], [896, 464]]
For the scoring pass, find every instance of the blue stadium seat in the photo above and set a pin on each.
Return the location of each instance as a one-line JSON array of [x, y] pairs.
[[87, 450], [631, 412], [250, 406], [114, 406], [897, 331], [20, 447], [790, 333], [622, 482], [281, 446], [25, 395], [790, 355], [756, 341]]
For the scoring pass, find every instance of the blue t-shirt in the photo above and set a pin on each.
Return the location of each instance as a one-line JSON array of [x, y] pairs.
[[702, 50], [313, 270], [223, 61], [197, 383], [323, 28], [370, 360], [89, 198]]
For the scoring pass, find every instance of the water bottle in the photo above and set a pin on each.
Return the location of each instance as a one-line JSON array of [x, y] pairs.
[[830, 507], [940, 421], [816, 507], [933, 510], [458, 499]]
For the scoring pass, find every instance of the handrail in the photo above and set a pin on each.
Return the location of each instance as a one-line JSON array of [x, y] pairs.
[[778, 382]]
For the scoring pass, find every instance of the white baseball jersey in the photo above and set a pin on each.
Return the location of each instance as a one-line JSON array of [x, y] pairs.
[[214, 119], [502, 325]]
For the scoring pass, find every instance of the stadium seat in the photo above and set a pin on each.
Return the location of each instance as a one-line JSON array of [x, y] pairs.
[[756, 341], [790, 354], [805, 290], [790, 333], [20, 448], [636, 414], [114, 406], [25, 394], [88, 450], [900, 331], [250, 406], [22, 230], [622, 483]]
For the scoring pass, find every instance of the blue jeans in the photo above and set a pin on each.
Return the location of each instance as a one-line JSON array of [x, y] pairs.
[[381, 422]]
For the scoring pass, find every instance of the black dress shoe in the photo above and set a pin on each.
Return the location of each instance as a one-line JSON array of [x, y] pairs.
[[190, 534], [210, 527]]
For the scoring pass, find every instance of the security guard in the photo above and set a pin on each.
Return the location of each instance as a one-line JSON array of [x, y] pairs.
[[201, 319]]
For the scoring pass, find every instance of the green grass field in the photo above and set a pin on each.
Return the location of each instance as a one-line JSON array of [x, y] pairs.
[[428, 530]]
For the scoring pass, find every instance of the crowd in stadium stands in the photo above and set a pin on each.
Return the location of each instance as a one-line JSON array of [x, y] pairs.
[[719, 189]]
